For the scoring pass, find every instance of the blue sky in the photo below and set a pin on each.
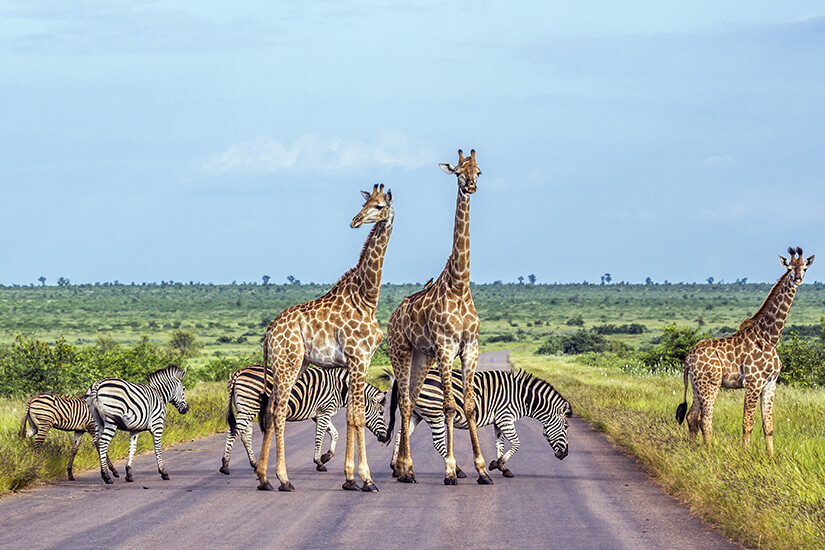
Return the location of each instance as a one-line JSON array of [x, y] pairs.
[[148, 141]]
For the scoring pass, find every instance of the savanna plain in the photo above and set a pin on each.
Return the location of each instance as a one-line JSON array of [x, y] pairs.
[[613, 350]]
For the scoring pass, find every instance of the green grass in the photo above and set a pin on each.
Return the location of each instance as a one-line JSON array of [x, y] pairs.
[[768, 502], [20, 466]]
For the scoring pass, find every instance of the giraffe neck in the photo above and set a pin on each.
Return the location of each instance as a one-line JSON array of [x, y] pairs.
[[772, 315], [368, 270], [458, 264]]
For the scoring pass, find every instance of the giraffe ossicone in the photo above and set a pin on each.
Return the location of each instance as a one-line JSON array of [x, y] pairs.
[[339, 329], [746, 359]]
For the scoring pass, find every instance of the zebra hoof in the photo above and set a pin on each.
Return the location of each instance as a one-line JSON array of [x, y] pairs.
[[265, 486], [459, 473], [321, 467], [107, 480], [71, 477], [224, 470], [286, 487], [164, 475], [493, 465], [506, 473], [326, 457], [129, 478], [114, 473], [484, 479], [350, 485], [369, 487], [407, 478], [450, 480]]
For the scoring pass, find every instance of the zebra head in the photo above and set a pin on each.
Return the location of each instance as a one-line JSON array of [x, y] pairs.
[[555, 430], [168, 382], [375, 402]]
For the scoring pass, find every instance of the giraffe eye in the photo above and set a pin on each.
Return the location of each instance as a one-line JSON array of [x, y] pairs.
[[379, 206]]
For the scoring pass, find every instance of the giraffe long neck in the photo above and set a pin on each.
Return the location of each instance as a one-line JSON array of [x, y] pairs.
[[773, 314], [458, 264], [371, 262]]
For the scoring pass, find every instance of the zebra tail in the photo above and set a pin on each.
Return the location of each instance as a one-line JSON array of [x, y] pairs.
[[230, 413], [681, 410], [22, 433], [393, 406]]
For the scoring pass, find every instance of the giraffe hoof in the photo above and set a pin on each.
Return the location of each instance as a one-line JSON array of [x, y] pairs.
[[326, 457], [265, 486], [286, 487], [369, 487], [407, 478], [506, 473], [164, 475], [450, 480], [321, 467], [459, 473], [350, 485], [484, 479]]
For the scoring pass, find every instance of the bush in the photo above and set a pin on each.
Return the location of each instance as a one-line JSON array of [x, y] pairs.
[[673, 346], [575, 321], [501, 338], [581, 341], [633, 328], [803, 363]]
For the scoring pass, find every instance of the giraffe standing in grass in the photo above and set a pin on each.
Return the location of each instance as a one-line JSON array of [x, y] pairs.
[[746, 359], [339, 329], [436, 325]]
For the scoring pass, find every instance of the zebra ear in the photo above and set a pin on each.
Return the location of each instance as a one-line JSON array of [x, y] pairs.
[[382, 399], [182, 374]]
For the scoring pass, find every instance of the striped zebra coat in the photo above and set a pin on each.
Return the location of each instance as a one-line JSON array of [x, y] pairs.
[[502, 397], [117, 404], [45, 411], [317, 395]]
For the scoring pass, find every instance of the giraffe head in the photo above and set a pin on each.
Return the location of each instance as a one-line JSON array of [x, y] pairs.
[[377, 208], [796, 265], [467, 171]]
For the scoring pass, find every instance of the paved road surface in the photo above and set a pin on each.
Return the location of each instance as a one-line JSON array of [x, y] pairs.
[[595, 498]]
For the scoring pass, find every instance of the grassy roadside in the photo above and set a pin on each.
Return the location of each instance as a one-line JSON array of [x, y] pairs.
[[21, 467], [770, 503]]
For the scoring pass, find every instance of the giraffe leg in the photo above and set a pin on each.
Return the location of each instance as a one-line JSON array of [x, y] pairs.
[[768, 393], [469, 360], [752, 394], [444, 357], [709, 398], [393, 463], [694, 414], [355, 427]]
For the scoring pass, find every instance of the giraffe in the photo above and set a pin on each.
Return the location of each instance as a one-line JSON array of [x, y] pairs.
[[339, 329], [436, 325], [746, 359]]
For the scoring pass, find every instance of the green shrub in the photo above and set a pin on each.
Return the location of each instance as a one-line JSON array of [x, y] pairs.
[[803, 363], [581, 341], [673, 346]]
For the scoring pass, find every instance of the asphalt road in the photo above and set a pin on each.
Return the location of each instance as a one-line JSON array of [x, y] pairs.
[[595, 498]]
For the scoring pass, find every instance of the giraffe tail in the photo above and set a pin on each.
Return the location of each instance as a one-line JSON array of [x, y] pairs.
[[681, 410], [393, 406]]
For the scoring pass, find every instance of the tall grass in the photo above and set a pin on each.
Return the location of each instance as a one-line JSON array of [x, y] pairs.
[[769, 502], [20, 466]]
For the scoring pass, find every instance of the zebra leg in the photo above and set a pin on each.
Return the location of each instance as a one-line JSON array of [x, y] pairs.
[[507, 430], [323, 424], [75, 445], [333, 441], [156, 433], [499, 448], [132, 447], [227, 450], [106, 432], [93, 432], [40, 436], [246, 439]]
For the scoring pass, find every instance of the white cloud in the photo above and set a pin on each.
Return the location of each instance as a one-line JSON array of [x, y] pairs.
[[718, 161], [311, 154]]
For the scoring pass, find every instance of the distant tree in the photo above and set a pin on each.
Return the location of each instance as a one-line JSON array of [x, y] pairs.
[[532, 279], [648, 281], [292, 280], [602, 279], [106, 343], [607, 278], [709, 280], [42, 280], [521, 279], [63, 282], [498, 282], [265, 279], [184, 343]]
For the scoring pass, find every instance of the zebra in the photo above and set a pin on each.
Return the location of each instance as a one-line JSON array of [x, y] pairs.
[[45, 411], [118, 404], [502, 397], [317, 395]]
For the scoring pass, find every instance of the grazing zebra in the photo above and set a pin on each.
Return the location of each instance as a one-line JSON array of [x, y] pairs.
[[119, 404], [502, 398], [318, 394], [45, 411]]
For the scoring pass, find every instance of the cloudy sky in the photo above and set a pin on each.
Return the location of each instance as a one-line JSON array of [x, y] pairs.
[[209, 141]]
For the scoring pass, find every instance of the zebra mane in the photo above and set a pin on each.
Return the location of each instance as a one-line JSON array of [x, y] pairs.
[[531, 382], [173, 371]]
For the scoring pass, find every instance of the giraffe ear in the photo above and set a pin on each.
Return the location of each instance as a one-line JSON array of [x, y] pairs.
[[785, 262], [388, 196], [809, 261], [447, 167], [366, 195]]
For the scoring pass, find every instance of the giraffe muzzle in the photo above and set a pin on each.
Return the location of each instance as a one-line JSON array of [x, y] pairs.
[[356, 222]]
